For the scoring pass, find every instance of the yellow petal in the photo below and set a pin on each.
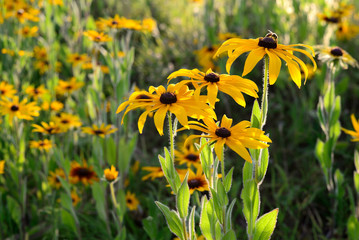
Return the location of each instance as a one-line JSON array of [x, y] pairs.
[[274, 66], [212, 90], [253, 58], [354, 122], [218, 148], [239, 149], [180, 113], [159, 118], [226, 122]]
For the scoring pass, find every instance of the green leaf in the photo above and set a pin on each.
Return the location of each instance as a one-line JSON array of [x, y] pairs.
[[263, 165], [356, 160], [150, 227], [247, 171], [228, 180], [256, 114], [353, 228], [98, 193], [183, 198], [265, 225], [172, 219], [230, 235], [217, 205], [206, 158], [206, 221], [250, 197], [229, 214], [191, 224], [356, 182], [169, 171], [221, 193], [335, 113]]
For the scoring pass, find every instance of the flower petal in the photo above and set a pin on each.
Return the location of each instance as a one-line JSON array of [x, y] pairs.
[[274, 66], [159, 118], [253, 58]]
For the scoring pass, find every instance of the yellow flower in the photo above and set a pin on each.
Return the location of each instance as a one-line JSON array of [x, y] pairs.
[[131, 201], [110, 174], [96, 36], [229, 84], [54, 178], [66, 121], [2, 166], [188, 155], [42, 66], [268, 45], [311, 71], [24, 13], [101, 131], [355, 133], [336, 55], [47, 128], [36, 92], [205, 57], [22, 110], [56, 2], [118, 22], [347, 31], [40, 53], [196, 181], [75, 198], [29, 31], [77, 58], [155, 172], [6, 90], [55, 106], [148, 24], [41, 144], [177, 99], [227, 36], [82, 173], [237, 138], [68, 87]]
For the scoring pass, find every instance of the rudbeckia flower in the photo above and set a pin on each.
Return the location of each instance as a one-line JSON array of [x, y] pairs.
[[268, 45], [334, 55], [176, 99], [99, 131], [7, 90], [110, 174], [131, 201], [2, 165], [196, 181], [68, 86], [36, 92], [21, 110], [238, 138], [75, 198], [155, 172], [82, 173], [54, 178], [47, 128], [77, 58], [355, 133], [230, 84], [97, 37], [188, 155], [41, 144], [28, 31], [66, 121]]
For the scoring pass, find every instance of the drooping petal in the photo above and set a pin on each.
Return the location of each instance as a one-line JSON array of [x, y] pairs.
[[232, 57], [253, 58], [218, 148], [142, 120], [226, 122], [239, 149], [354, 122], [180, 113], [212, 90], [274, 66], [159, 118]]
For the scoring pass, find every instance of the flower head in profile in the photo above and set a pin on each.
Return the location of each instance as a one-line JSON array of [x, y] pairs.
[[232, 85], [176, 99], [355, 133], [97, 36], [269, 46], [154, 172], [336, 56], [47, 128], [54, 178], [15, 108], [7, 90], [238, 138], [196, 181], [101, 131], [347, 31], [77, 59], [131, 201], [42, 144], [82, 173], [67, 121], [110, 174]]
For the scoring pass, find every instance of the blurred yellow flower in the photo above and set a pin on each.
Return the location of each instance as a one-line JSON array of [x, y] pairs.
[[131, 201], [96, 36], [47, 128], [155, 172], [82, 173], [347, 31], [188, 155], [22, 110], [41, 144], [54, 178], [110, 174], [355, 133], [2, 166], [55, 106], [29, 31], [268, 45], [36, 92], [205, 57], [227, 36], [67, 87], [196, 181], [23, 13], [76, 59], [40, 53], [148, 24], [336, 55], [42, 66], [75, 198], [66, 121], [101, 131], [6, 90]]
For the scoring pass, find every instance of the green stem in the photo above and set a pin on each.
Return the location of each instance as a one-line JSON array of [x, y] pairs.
[[184, 228], [172, 147], [264, 103], [113, 196]]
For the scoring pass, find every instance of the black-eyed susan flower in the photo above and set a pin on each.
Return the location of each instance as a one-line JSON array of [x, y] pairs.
[[101, 131], [110, 174], [238, 138], [56, 2], [196, 181], [97, 36], [42, 66], [148, 24], [29, 31], [2, 166], [77, 59], [40, 53], [154, 172], [336, 55], [54, 106], [131, 201], [67, 87], [355, 133], [66, 121], [36, 92], [232, 85], [347, 31], [268, 45], [24, 13], [75, 198], [7, 90], [176, 99], [205, 57], [54, 178], [188, 155], [82, 173], [22, 110], [47, 128], [42, 144]]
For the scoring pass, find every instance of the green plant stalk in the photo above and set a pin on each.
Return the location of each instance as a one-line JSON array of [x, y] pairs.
[[172, 145], [223, 177], [184, 228]]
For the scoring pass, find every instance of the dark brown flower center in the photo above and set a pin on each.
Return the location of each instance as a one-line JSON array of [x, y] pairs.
[[194, 183], [114, 22], [143, 96], [49, 130], [192, 157], [168, 98], [211, 77], [210, 49], [267, 42], [36, 91], [98, 38], [20, 12], [14, 108], [41, 144], [223, 132], [83, 172], [65, 121], [3, 91], [129, 200], [78, 58], [98, 132], [331, 19], [68, 87], [336, 52]]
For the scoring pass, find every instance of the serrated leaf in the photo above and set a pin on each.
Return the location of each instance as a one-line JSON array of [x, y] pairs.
[[228, 180], [265, 225], [183, 196], [172, 219]]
